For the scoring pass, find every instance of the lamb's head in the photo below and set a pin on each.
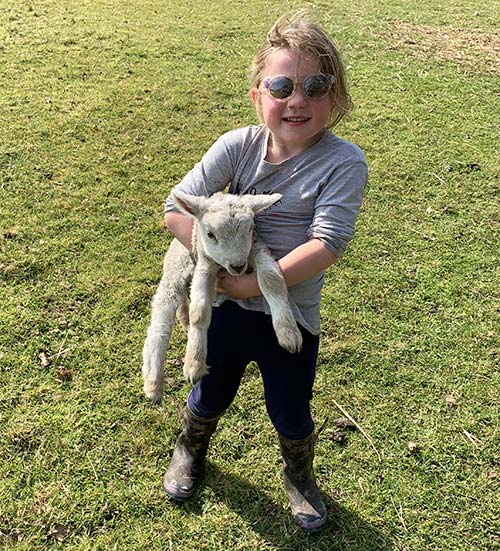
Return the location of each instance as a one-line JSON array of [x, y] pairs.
[[226, 224]]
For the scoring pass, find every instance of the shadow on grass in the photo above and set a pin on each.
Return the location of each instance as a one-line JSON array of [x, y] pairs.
[[344, 530]]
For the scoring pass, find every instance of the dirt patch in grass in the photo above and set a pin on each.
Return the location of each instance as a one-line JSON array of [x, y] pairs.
[[477, 50]]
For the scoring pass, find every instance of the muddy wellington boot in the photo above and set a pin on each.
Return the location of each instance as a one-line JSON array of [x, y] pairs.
[[186, 465], [308, 508]]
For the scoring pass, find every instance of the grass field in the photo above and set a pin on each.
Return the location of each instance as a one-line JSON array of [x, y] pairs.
[[104, 106]]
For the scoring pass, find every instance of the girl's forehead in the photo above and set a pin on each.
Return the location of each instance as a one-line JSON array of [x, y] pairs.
[[291, 63]]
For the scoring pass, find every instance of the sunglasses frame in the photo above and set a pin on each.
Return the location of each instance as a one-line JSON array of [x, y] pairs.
[[266, 81]]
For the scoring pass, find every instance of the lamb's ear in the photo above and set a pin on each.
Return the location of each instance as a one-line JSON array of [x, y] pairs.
[[193, 205], [261, 202]]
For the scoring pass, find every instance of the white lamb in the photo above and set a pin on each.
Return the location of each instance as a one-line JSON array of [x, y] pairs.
[[223, 236]]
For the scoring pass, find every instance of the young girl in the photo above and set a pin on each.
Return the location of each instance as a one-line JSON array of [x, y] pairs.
[[299, 92]]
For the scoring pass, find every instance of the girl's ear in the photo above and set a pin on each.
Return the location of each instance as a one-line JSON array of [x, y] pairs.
[[254, 96], [256, 102]]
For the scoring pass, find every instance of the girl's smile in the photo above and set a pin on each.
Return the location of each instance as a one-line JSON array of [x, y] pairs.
[[296, 121]]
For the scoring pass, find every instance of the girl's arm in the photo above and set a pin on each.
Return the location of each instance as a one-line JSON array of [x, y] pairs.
[[181, 226], [298, 265]]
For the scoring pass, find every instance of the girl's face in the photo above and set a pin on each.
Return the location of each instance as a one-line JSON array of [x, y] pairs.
[[297, 123]]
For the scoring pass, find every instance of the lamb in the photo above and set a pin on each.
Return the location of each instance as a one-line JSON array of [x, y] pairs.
[[223, 236]]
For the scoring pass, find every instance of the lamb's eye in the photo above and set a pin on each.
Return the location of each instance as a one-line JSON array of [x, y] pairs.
[[210, 235]]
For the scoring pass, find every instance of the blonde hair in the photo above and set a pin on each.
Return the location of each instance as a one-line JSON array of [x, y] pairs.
[[299, 33]]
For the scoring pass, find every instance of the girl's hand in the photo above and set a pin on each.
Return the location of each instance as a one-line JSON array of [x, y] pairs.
[[239, 287]]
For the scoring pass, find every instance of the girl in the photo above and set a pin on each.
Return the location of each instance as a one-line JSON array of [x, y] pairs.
[[299, 92]]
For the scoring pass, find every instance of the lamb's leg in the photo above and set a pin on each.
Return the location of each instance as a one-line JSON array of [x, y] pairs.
[[163, 308], [273, 287], [183, 312], [178, 267], [200, 314]]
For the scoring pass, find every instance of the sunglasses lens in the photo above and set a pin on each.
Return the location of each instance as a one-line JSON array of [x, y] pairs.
[[317, 86], [280, 87]]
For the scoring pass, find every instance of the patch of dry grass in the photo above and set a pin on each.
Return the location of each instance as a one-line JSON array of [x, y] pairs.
[[476, 50]]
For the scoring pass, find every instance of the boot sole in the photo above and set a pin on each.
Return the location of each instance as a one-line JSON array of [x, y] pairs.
[[313, 527], [174, 494]]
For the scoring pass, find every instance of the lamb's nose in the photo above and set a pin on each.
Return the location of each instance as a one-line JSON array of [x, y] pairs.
[[238, 269]]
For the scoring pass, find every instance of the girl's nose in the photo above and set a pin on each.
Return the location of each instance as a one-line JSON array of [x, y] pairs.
[[298, 99]]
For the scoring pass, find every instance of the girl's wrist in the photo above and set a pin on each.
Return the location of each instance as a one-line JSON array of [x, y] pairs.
[[251, 285], [239, 287], [244, 286]]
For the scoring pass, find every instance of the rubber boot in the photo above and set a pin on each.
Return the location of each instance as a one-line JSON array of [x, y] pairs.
[[188, 459], [308, 508]]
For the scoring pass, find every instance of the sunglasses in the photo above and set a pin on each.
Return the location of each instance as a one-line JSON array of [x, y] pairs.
[[313, 87]]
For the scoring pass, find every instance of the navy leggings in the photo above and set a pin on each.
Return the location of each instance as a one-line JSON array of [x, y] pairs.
[[235, 338]]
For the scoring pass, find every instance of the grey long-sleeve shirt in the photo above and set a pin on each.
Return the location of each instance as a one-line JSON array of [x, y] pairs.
[[322, 190]]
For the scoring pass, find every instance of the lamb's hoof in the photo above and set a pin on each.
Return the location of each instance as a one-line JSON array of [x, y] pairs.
[[153, 392], [193, 372], [289, 337]]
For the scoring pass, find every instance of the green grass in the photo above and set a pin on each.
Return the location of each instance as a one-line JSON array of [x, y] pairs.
[[103, 107]]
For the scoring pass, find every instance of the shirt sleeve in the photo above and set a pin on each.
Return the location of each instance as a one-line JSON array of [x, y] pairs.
[[337, 206], [213, 173]]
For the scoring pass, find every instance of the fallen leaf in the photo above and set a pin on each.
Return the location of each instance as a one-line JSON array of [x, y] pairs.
[[345, 423], [64, 374], [59, 532], [451, 400], [44, 359], [10, 234], [337, 436], [412, 448]]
